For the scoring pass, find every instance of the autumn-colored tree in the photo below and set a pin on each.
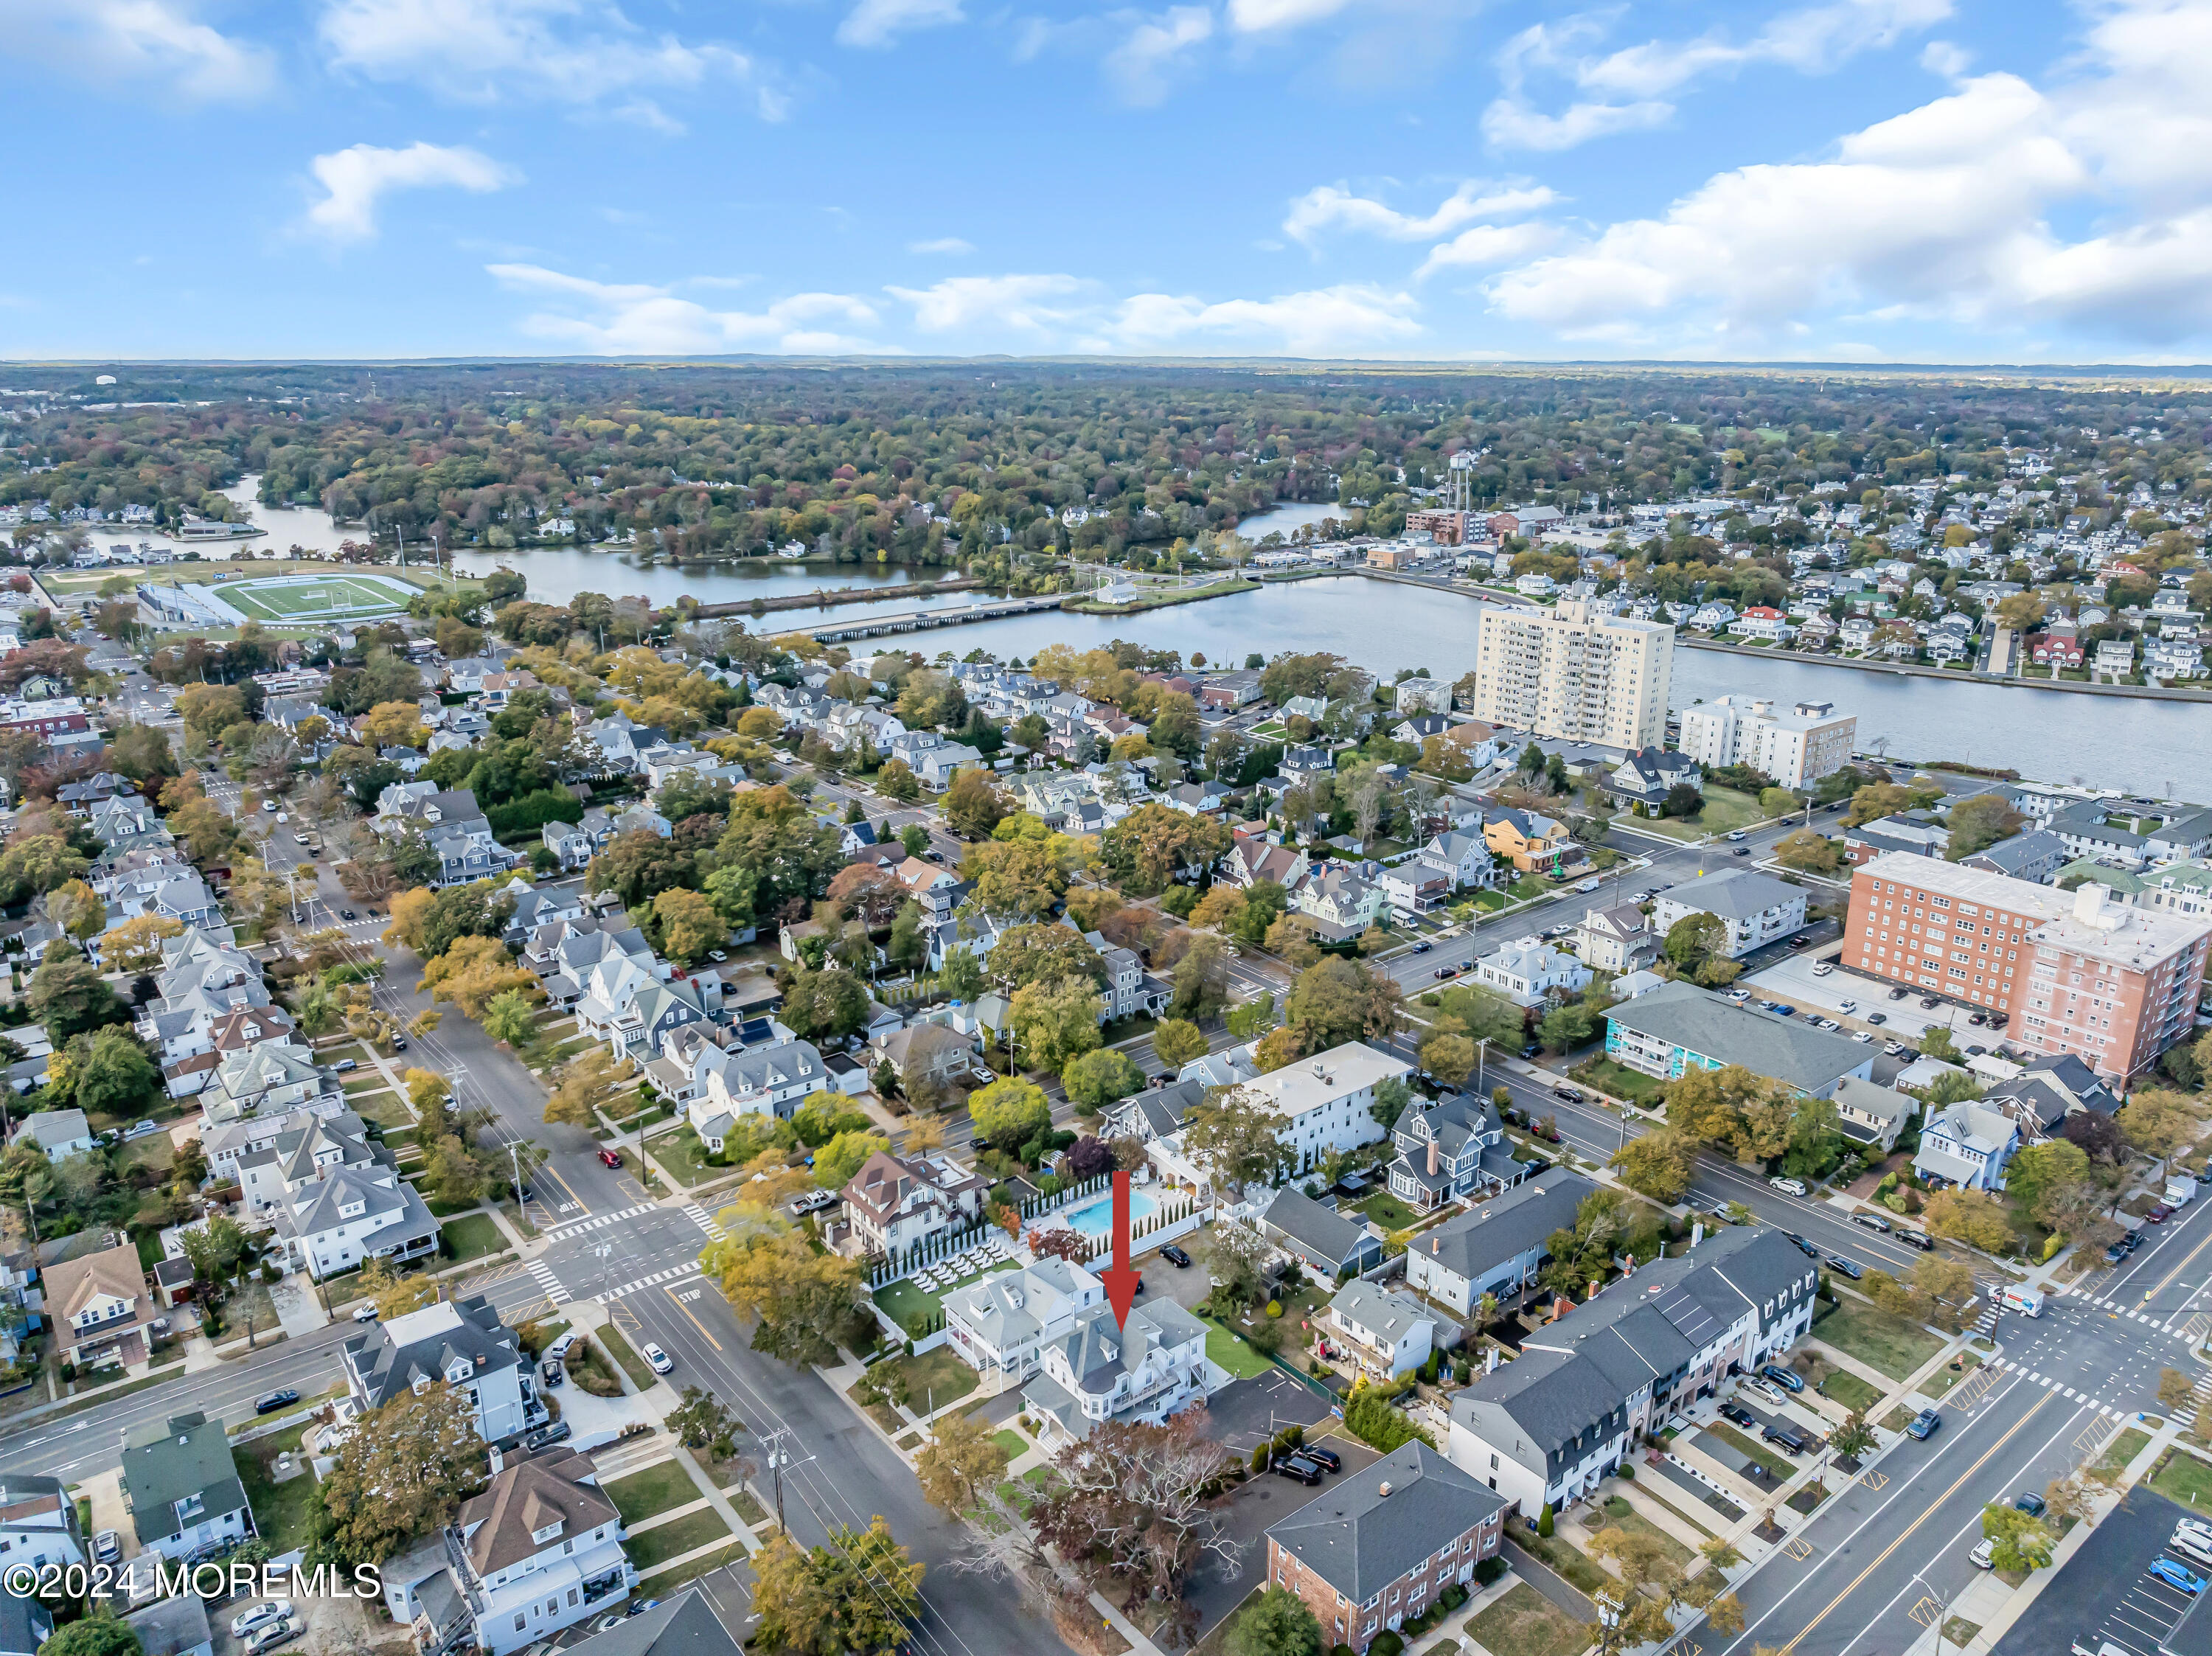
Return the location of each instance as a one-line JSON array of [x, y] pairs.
[[1009, 1112], [961, 1456], [473, 972], [1176, 1042], [509, 1018], [689, 925], [807, 1303], [393, 724], [1337, 1001], [135, 946], [1055, 1022], [1972, 1216], [858, 1594], [403, 1471], [973, 804], [405, 915], [392, 1294], [77, 908], [587, 1084]]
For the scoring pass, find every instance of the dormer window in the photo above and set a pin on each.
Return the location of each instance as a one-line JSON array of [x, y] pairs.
[[543, 1535]]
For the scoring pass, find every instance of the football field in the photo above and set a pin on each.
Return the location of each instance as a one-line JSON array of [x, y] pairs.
[[292, 600]]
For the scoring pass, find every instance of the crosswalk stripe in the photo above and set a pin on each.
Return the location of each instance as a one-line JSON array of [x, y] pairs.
[[576, 1227], [689, 1269], [705, 1221], [543, 1275]]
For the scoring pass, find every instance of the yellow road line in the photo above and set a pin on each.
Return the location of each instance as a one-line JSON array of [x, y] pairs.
[[2178, 1269], [1925, 1513], [670, 1290], [573, 1197]]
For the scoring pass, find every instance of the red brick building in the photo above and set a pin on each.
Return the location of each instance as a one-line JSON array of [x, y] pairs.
[[2074, 972], [1374, 1549]]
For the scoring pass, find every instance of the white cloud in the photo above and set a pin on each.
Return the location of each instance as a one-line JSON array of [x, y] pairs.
[[635, 318], [1257, 16], [355, 178], [1014, 300], [1486, 245], [1947, 58], [1513, 123], [948, 244], [1351, 320], [1627, 90], [1153, 50], [880, 22], [138, 40], [1332, 207], [576, 51]]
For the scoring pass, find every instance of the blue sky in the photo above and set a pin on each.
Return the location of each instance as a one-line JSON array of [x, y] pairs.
[[1929, 181]]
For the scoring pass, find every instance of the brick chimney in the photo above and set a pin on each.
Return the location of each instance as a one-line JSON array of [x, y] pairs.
[[1433, 1156]]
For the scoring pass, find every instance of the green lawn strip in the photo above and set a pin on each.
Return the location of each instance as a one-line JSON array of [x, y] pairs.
[[154, 1150], [914, 1308], [667, 1541], [1620, 1081], [1216, 1642], [1944, 1379], [471, 1237], [705, 1564], [2185, 1479], [1773, 1461], [1659, 1491], [636, 1367], [1562, 1557], [1851, 1391], [746, 1507], [1620, 1515], [2125, 1448], [1898, 1418], [1883, 1342], [281, 1511], [1523, 1623], [387, 1110], [1231, 1353], [1388, 1212], [1013, 1444], [656, 1489]]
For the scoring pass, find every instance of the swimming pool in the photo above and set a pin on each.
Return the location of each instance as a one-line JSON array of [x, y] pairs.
[[1096, 1218]]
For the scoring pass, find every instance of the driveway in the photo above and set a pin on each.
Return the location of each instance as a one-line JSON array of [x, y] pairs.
[[1217, 1589], [1248, 1412]]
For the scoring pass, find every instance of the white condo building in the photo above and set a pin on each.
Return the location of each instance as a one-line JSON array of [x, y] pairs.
[[1809, 741]]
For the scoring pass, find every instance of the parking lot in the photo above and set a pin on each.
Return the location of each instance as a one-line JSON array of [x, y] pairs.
[[1791, 981], [1264, 1501], [2105, 1594]]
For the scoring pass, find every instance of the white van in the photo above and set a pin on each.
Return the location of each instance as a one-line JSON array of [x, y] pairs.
[[2028, 1301], [1788, 1187], [2195, 1545], [2180, 1189]]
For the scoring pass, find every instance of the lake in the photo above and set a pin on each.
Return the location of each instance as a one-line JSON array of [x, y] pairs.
[[2155, 748]]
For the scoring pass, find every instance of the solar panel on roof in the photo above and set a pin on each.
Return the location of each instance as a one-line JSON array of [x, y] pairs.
[[1695, 1322]]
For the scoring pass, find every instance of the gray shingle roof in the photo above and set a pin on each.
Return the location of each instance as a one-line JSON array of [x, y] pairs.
[[1713, 1026], [1508, 1226], [1324, 1236], [1733, 894], [165, 1462], [1359, 1539], [683, 1627]]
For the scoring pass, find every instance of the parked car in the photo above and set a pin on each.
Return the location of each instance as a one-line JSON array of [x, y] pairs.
[[1851, 1268], [1823, 969], [561, 1347], [1975, 1018], [546, 1436], [2117, 1251], [269, 1402], [1787, 1381], [1803, 1246], [1759, 1389], [638, 1607], [1983, 1556], [612, 1158], [1788, 1187], [1915, 1239], [1586, 886], [1738, 1414], [1422, 947], [2030, 1503], [1894, 1049], [1176, 1257], [1863, 1036], [260, 1615], [2159, 1215], [1877, 1017], [1924, 1424], [364, 1313], [1792, 1441], [551, 1374], [657, 1360], [1929, 1002], [1328, 1459], [2175, 1577], [1301, 1470], [1738, 834], [276, 1633], [1872, 1222], [344, 1064], [1899, 993], [1567, 1095], [718, 957]]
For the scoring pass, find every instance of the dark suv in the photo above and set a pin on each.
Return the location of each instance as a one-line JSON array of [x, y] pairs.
[[1176, 1257], [1298, 1467]]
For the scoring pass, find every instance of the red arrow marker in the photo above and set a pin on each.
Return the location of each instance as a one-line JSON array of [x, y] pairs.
[[1121, 1281]]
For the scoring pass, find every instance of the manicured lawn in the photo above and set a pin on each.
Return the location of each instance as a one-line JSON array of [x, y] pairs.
[[1388, 1212], [281, 1511], [156, 1149], [683, 1154], [1773, 1459], [1726, 810], [935, 1379], [471, 1237], [2125, 1448], [1943, 1378], [1620, 1081], [655, 1490], [1013, 1444], [1620, 1515], [914, 1307], [1851, 1391], [387, 1110], [1230, 1351], [659, 1545], [1523, 1623], [1880, 1341], [1676, 1501], [634, 1366], [2185, 1479]]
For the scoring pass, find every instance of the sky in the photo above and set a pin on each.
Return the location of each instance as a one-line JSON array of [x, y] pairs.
[[1847, 180]]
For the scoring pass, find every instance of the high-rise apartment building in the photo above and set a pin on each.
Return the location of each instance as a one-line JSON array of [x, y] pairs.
[[2074, 972], [1794, 748], [1576, 675]]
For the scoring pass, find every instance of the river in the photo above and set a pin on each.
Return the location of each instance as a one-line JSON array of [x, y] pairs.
[[2153, 748]]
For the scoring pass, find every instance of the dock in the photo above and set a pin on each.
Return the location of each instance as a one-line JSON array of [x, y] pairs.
[[919, 620]]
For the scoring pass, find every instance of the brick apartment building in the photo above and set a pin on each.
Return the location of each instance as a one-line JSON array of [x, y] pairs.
[[1448, 528], [1374, 1550], [2074, 972]]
